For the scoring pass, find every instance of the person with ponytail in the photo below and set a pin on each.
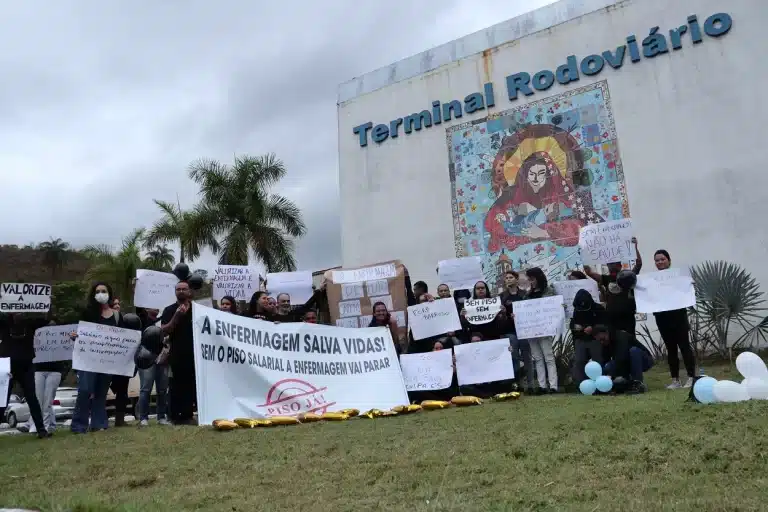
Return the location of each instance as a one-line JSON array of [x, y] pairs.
[[674, 330]]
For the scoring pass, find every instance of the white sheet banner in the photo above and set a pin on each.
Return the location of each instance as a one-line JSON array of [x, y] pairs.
[[5, 380], [386, 271], [105, 349], [607, 242], [238, 281], [433, 318], [248, 368], [54, 343], [427, 372], [25, 298], [460, 273], [568, 291], [296, 284], [483, 361], [536, 318], [155, 290], [482, 311], [664, 290]]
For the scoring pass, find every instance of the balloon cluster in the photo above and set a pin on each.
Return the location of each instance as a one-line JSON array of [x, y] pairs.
[[182, 272], [596, 381], [708, 390]]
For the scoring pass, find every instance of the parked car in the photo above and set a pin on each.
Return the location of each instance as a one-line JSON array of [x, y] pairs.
[[63, 406]]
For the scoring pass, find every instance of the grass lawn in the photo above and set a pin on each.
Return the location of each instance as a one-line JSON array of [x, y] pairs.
[[649, 452]]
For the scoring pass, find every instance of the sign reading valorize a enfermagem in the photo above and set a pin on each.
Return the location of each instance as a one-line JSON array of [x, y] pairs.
[[25, 298]]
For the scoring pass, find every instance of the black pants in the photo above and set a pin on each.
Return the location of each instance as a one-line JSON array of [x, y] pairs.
[[183, 391], [23, 372], [621, 342], [119, 387], [674, 339]]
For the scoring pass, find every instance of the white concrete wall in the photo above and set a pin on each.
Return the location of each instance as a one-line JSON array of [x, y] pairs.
[[690, 128]]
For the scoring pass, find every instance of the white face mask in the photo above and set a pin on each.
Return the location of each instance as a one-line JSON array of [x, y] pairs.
[[101, 298]]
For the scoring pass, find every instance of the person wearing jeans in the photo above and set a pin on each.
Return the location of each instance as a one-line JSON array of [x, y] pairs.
[[91, 402], [520, 349], [47, 379], [541, 348], [157, 375]]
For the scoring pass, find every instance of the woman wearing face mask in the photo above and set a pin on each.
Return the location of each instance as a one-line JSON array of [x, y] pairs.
[[541, 348], [259, 307], [382, 318], [674, 330], [92, 387], [228, 304]]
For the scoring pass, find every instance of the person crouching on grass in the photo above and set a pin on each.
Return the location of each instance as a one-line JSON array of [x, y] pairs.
[[627, 358], [586, 315]]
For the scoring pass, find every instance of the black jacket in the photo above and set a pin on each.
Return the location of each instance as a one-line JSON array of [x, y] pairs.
[[17, 333], [586, 313]]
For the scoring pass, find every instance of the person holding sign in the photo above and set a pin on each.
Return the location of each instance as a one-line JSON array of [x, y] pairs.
[[541, 348], [176, 322], [491, 330], [521, 349], [605, 280], [382, 318], [674, 330]]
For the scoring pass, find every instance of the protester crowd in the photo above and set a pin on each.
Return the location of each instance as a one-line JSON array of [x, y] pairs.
[[602, 331]]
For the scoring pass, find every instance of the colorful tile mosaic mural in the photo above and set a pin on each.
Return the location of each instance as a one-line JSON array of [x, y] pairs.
[[525, 180]]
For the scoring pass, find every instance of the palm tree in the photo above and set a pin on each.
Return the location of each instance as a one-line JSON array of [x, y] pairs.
[[117, 268], [160, 258], [55, 254], [176, 226], [237, 208]]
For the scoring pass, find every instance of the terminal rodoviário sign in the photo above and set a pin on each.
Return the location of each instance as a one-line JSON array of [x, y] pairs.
[[248, 368]]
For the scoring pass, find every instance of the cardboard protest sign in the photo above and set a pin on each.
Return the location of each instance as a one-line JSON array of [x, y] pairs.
[[568, 290], [5, 380], [482, 311], [460, 273], [25, 298], [237, 281], [298, 285], [664, 290], [105, 349], [155, 290], [537, 318], [483, 361], [607, 242], [433, 318], [428, 371], [54, 343], [352, 293]]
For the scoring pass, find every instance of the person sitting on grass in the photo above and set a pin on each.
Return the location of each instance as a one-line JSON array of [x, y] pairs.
[[626, 358]]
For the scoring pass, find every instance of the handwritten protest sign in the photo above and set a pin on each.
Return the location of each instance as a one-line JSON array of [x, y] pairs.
[[427, 372], [460, 273], [483, 361], [155, 290], [105, 349], [54, 343], [536, 318], [237, 281], [298, 285], [607, 242], [433, 318], [664, 290], [25, 298], [482, 311], [568, 290], [380, 271], [5, 380]]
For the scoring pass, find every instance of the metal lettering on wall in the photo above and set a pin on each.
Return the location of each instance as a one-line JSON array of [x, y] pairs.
[[653, 45]]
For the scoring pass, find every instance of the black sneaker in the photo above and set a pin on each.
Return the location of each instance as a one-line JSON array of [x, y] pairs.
[[552, 391], [23, 428], [44, 434], [636, 387]]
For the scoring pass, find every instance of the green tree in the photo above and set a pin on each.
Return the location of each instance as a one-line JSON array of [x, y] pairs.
[[237, 207], [55, 255], [160, 258], [67, 301], [178, 226], [117, 268]]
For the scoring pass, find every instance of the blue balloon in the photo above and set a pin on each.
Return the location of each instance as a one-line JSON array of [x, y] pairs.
[[604, 384], [593, 370], [587, 387], [703, 390]]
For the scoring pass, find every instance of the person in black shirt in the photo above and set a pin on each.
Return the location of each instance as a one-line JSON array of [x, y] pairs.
[[17, 332], [626, 357], [176, 322], [259, 307], [286, 313], [520, 349], [586, 315], [228, 304], [604, 280]]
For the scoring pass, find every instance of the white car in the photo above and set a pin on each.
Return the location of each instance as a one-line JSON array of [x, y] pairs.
[[17, 411]]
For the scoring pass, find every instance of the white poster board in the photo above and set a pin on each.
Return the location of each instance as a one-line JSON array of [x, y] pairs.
[[154, 290], [537, 318], [237, 281], [664, 290], [5, 381], [433, 318], [296, 284], [427, 372], [105, 349], [460, 273], [257, 369], [25, 298], [54, 343], [484, 361], [607, 242], [482, 311], [569, 288]]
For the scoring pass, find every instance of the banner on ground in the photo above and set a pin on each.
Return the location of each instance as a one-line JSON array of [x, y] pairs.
[[429, 371], [353, 292], [460, 273], [298, 285], [433, 318], [25, 298], [482, 311], [537, 318], [248, 368], [5, 380], [105, 349], [664, 290], [607, 242], [237, 281], [154, 290], [568, 290], [484, 361], [54, 343]]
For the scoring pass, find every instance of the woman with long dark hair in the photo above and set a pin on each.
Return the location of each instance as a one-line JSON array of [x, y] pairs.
[[492, 330], [541, 348], [259, 307], [382, 318], [228, 304]]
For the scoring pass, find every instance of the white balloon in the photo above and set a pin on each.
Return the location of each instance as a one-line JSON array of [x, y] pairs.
[[729, 391], [750, 366], [756, 388]]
